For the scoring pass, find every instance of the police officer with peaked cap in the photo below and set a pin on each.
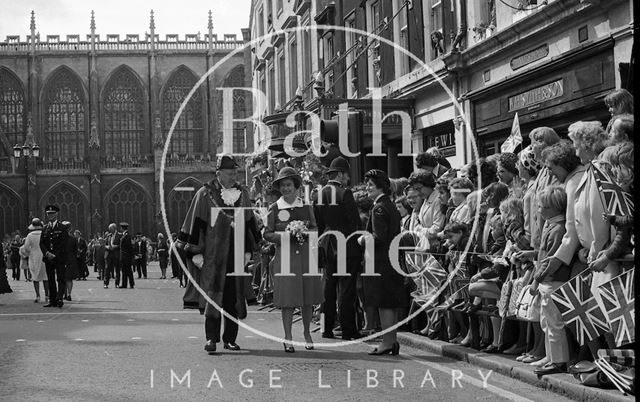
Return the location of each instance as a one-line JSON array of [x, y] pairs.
[[52, 243]]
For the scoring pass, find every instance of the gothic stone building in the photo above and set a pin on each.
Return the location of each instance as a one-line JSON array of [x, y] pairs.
[[98, 112]]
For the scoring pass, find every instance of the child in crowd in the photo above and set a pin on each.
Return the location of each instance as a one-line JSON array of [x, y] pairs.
[[456, 238], [617, 162], [460, 188], [553, 206]]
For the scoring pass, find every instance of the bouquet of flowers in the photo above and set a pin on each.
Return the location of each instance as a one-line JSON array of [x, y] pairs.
[[298, 230]]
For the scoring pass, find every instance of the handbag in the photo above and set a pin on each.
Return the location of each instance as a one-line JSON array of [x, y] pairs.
[[518, 285], [528, 306], [505, 298]]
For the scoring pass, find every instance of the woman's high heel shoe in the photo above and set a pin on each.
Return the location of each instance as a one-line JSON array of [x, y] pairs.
[[288, 348], [308, 342]]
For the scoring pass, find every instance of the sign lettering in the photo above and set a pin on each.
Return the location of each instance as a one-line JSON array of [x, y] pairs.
[[537, 95]]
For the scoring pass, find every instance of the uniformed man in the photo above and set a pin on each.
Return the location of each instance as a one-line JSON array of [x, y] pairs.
[[126, 256], [337, 211], [52, 243]]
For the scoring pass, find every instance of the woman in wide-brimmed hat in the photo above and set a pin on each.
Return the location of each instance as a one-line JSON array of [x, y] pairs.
[[31, 250], [291, 290]]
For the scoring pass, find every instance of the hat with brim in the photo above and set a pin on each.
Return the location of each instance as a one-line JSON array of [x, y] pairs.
[[287, 173], [339, 164], [124, 225], [36, 224]]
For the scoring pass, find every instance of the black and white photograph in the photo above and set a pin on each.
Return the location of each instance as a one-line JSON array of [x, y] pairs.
[[312, 200]]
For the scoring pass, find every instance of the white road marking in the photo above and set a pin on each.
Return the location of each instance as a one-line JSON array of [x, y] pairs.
[[473, 381], [40, 321], [188, 311], [136, 338], [78, 339], [130, 319], [85, 320], [175, 319], [193, 337], [20, 340]]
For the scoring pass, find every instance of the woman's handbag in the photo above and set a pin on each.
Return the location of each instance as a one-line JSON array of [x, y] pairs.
[[505, 298], [518, 285], [528, 306]]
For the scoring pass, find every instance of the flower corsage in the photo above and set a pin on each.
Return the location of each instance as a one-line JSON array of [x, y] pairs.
[[298, 230]]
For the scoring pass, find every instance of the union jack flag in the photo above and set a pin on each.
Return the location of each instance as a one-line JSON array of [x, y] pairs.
[[616, 201], [618, 298], [428, 273], [580, 310]]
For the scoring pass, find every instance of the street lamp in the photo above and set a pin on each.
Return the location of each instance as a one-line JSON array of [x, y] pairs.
[[26, 150]]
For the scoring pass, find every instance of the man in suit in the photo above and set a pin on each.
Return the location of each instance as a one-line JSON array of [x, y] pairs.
[[141, 256], [52, 243], [113, 255], [336, 210], [126, 256]]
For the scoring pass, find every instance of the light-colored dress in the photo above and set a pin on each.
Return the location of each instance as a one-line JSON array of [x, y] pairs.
[[293, 290], [31, 249]]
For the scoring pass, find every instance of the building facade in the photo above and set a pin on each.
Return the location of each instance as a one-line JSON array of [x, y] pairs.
[[98, 112], [551, 62]]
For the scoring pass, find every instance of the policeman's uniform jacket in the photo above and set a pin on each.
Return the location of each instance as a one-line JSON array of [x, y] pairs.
[[341, 215], [54, 239]]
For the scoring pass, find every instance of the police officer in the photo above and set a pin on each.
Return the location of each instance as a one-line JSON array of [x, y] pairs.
[[337, 211], [52, 243], [126, 256]]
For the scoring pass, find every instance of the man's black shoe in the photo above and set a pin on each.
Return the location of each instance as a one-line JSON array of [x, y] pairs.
[[328, 335], [231, 346], [551, 368], [210, 346], [60, 303]]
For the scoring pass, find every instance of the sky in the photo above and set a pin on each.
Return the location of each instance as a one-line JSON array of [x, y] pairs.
[[63, 17]]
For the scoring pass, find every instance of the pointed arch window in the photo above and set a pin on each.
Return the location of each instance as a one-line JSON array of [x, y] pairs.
[[187, 137], [123, 115], [12, 211], [64, 120], [178, 203], [12, 113], [235, 80], [72, 206], [128, 202]]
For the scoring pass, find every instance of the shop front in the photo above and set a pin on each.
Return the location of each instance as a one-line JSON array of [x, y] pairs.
[[567, 89]]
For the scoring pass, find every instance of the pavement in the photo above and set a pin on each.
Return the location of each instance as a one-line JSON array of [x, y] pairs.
[[139, 344], [562, 384]]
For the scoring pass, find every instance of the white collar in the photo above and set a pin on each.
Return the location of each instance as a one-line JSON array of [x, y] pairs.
[[378, 198], [282, 204]]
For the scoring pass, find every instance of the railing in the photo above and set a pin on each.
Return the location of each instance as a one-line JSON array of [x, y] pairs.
[[127, 162], [13, 44], [197, 161], [62, 164]]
